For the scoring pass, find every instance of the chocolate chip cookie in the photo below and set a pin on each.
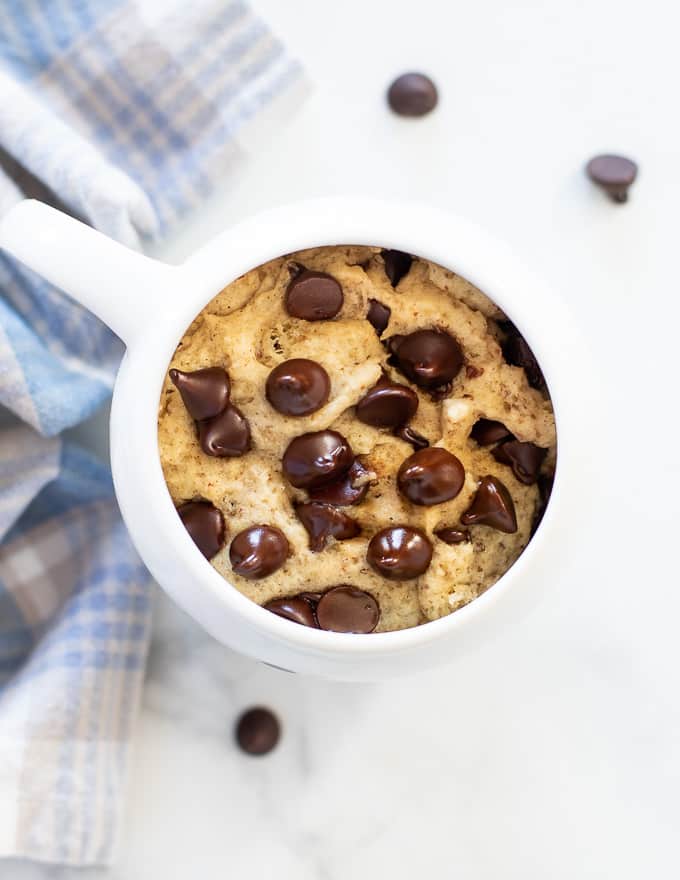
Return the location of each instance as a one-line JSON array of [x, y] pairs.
[[357, 439]]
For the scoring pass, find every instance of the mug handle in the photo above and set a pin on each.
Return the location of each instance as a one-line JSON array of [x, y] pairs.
[[121, 286]]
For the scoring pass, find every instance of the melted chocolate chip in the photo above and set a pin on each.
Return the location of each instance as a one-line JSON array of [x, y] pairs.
[[346, 609], [298, 387], [378, 315], [399, 552], [615, 174], [205, 393], [295, 608], [205, 525], [545, 484], [431, 476], [316, 459], [453, 536], [517, 352], [323, 521], [487, 431], [313, 296], [492, 506], [397, 264], [412, 94], [408, 435], [429, 358], [525, 459], [258, 731], [226, 435], [349, 489], [258, 551], [387, 405]]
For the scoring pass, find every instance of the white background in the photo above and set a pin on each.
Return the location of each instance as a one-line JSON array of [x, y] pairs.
[[554, 752]]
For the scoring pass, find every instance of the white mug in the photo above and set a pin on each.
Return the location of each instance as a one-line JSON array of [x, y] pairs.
[[150, 304]]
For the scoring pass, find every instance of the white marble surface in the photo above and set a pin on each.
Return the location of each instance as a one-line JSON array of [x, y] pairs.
[[553, 752]]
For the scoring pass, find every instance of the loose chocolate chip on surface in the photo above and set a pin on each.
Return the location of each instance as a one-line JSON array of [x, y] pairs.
[[258, 731], [317, 458], [258, 551], [378, 315], [205, 393], [431, 476], [412, 94], [487, 431], [295, 608], [387, 405], [225, 435], [429, 358], [615, 174], [492, 506], [205, 525], [397, 264], [313, 296], [453, 536], [517, 352], [399, 552], [346, 609], [324, 521], [525, 459], [351, 488], [298, 387], [408, 435]]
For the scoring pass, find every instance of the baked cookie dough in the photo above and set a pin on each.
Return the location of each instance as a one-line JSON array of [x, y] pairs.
[[356, 438]]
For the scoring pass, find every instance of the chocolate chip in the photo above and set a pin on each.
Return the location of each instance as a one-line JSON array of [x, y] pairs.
[[429, 358], [615, 174], [431, 476], [453, 536], [397, 264], [323, 521], [387, 405], [517, 352], [346, 609], [492, 506], [313, 296], [205, 525], [298, 387], [412, 94], [205, 393], [226, 435], [399, 552], [378, 315], [316, 459], [351, 488], [408, 435], [295, 608], [258, 551], [473, 372], [487, 431], [295, 269], [545, 485], [258, 731], [525, 459]]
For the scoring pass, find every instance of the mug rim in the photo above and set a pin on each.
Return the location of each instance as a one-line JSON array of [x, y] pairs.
[[419, 229]]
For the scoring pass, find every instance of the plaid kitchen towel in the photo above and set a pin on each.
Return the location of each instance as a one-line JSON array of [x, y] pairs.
[[74, 629], [127, 111]]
